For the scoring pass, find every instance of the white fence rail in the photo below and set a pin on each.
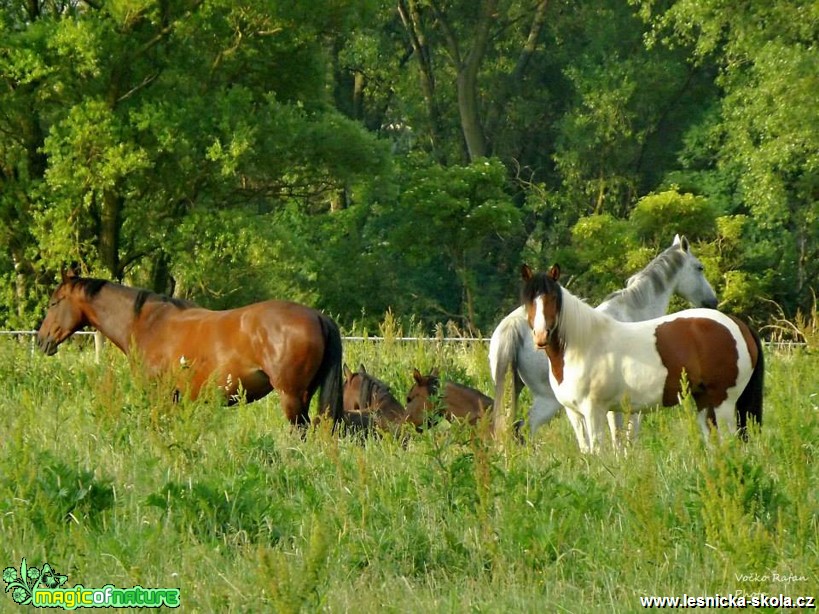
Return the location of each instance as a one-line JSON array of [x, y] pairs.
[[24, 333], [779, 345], [99, 339]]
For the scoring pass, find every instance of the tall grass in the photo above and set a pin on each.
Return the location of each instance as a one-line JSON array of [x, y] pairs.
[[108, 481]]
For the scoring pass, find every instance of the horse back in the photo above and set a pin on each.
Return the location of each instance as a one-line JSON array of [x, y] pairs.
[[465, 402]]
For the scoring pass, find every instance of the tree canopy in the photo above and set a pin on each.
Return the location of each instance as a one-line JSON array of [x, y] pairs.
[[406, 155]]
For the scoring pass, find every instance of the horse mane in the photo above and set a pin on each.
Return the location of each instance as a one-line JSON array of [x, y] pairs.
[[577, 320], [658, 275], [372, 390], [91, 287]]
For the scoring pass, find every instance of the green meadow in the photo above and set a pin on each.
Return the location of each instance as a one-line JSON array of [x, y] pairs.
[[109, 482]]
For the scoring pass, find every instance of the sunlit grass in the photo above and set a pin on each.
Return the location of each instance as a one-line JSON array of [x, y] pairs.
[[107, 480]]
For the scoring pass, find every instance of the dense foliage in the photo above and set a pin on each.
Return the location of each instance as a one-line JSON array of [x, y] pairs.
[[406, 155]]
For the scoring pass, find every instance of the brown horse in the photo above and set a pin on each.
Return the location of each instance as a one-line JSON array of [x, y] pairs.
[[459, 402], [251, 350], [369, 404]]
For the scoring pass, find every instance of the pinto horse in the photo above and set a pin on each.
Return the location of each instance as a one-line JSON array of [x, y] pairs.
[[458, 402], [676, 270], [254, 349], [369, 404], [598, 363]]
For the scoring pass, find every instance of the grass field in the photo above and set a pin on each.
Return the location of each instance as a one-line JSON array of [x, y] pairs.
[[107, 481]]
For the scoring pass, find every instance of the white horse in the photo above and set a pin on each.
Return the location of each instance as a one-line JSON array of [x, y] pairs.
[[646, 295], [598, 363]]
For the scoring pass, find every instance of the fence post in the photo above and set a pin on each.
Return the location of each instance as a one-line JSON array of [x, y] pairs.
[[99, 340]]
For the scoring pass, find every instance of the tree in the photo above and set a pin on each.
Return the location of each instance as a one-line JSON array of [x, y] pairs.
[[459, 38], [119, 120], [447, 218], [763, 137]]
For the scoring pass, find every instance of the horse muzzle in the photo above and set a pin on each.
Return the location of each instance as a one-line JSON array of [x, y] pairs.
[[541, 339], [47, 345]]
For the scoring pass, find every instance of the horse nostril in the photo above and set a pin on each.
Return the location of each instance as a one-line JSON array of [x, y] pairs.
[[541, 340]]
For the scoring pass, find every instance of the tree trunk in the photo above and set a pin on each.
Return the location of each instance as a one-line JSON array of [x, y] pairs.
[[514, 82], [161, 279], [470, 114], [411, 18], [467, 68], [110, 226]]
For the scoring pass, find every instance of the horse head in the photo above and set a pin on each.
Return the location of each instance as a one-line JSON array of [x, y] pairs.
[[691, 283], [65, 315], [542, 298], [364, 393], [420, 405]]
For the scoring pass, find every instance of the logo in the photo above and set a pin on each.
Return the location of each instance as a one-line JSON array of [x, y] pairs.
[[43, 588]]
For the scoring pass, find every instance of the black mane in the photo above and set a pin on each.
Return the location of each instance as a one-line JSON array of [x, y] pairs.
[[371, 390], [91, 287]]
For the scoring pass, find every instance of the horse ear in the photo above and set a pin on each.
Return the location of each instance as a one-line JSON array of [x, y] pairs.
[[361, 369], [434, 372], [416, 375], [73, 272], [554, 272], [682, 242], [526, 272], [347, 372]]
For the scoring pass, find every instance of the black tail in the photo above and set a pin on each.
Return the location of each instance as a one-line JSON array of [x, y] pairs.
[[749, 404], [328, 376]]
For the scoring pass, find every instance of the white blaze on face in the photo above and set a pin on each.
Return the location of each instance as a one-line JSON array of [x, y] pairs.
[[539, 329]]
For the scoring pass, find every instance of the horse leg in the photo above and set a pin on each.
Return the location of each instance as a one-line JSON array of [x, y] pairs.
[[544, 408], [581, 432], [726, 417], [295, 409], [594, 424], [578, 422], [615, 420]]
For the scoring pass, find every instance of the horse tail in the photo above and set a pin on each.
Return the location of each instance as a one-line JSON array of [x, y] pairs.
[[328, 376], [749, 403], [503, 355]]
